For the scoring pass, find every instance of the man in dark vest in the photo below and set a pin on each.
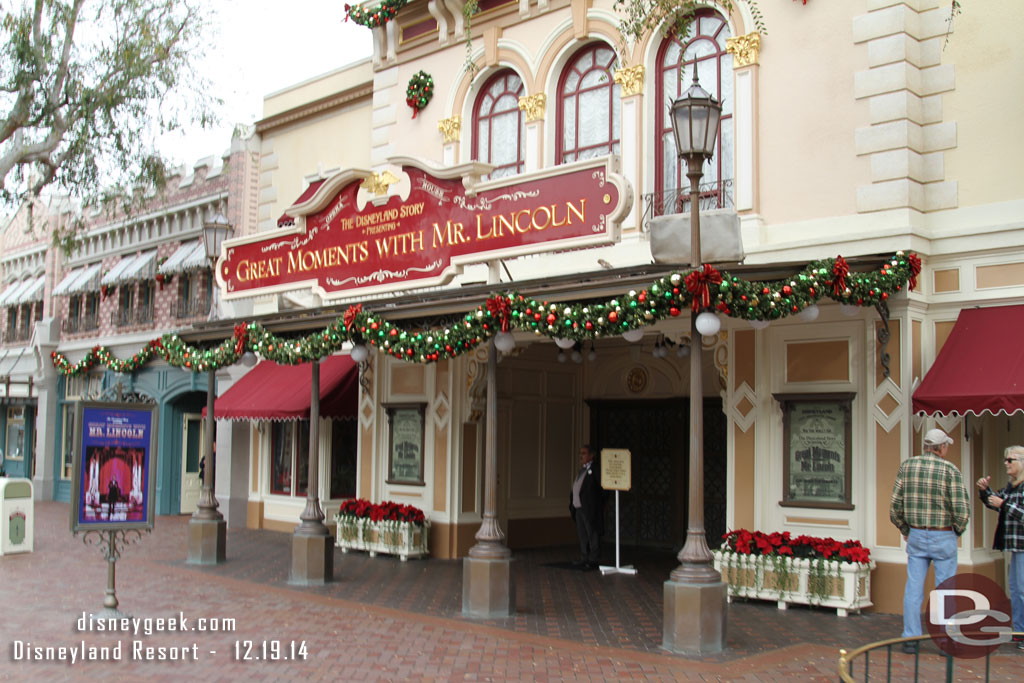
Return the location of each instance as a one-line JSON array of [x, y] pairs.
[[585, 506]]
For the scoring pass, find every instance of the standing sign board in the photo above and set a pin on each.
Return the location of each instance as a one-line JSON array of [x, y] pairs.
[[365, 233], [114, 465], [616, 475]]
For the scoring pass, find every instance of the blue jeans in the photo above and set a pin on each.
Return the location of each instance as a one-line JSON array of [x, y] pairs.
[[1015, 586], [923, 548]]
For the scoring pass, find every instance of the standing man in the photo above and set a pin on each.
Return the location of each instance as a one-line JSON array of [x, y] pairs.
[[585, 508], [929, 506]]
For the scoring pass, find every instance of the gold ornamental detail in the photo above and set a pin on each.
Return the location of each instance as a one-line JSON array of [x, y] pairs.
[[744, 49], [533, 106], [631, 79], [379, 183], [450, 128]]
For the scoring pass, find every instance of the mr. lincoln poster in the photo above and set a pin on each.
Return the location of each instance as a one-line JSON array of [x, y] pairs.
[[114, 466]]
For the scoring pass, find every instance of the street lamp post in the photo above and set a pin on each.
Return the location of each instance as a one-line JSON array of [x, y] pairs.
[[207, 530], [695, 596]]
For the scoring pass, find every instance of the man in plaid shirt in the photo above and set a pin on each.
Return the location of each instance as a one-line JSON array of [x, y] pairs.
[[929, 506]]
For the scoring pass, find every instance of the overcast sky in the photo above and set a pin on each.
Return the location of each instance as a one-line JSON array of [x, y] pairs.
[[260, 46]]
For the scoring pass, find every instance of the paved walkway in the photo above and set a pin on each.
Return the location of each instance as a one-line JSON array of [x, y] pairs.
[[387, 620]]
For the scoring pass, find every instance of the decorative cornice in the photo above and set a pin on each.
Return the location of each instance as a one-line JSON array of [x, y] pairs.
[[450, 128], [631, 79], [379, 183], [320, 106], [533, 106], [744, 49]]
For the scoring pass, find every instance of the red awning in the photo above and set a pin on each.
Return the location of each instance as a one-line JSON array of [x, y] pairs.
[[980, 368], [285, 219], [281, 392]]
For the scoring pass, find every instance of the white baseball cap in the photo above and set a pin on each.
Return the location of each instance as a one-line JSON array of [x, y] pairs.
[[936, 437]]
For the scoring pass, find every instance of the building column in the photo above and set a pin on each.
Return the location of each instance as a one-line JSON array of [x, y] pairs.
[[533, 109], [47, 335], [631, 84]]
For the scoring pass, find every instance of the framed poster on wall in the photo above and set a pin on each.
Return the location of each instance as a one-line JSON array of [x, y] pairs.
[[816, 450], [405, 429], [114, 468]]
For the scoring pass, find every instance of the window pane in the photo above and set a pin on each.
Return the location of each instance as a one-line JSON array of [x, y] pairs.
[[343, 459], [69, 441], [282, 446], [726, 149], [668, 161], [302, 459], [595, 78], [505, 139], [483, 134], [594, 125], [572, 81], [725, 68], [569, 123]]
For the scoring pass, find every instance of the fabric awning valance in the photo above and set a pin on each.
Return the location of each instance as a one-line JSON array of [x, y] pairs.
[[139, 269], [282, 392], [980, 368], [7, 297], [112, 276], [87, 281], [34, 292], [62, 286]]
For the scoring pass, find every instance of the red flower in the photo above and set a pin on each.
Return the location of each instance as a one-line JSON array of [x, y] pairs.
[[746, 542]]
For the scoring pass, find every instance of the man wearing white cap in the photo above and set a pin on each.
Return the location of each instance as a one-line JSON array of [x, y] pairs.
[[929, 506]]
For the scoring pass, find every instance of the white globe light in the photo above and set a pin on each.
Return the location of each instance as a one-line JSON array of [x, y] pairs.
[[592, 356], [564, 343], [359, 353], [708, 324], [683, 351], [562, 357], [848, 309], [577, 357], [759, 324], [249, 359], [633, 335], [504, 342], [809, 314]]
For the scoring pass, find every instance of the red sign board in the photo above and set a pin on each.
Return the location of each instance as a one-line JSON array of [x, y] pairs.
[[365, 232]]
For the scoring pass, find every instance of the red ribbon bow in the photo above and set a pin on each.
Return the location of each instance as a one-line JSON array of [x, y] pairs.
[[501, 308], [240, 339], [839, 272], [915, 269], [350, 316], [698, 284]]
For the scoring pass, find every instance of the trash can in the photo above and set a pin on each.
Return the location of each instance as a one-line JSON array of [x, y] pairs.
[[16, 512]]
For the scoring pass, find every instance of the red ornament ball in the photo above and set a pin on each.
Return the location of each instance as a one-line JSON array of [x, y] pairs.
[[613, 317]]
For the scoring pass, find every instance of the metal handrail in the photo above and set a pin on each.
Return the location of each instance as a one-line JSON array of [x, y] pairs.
[[846, 659]]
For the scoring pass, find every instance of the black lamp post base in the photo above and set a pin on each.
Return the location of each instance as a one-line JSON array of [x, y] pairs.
[[695, 617]]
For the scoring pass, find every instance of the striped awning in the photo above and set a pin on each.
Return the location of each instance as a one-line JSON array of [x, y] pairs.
[[176, 262], [14, 297], [87, 281], [113, 276], [34, 292], [62, 286], [11, 289], [141, 268]]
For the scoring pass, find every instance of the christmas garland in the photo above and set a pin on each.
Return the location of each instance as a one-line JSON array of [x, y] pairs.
[[370, 18], [419, 92], [701, 288]]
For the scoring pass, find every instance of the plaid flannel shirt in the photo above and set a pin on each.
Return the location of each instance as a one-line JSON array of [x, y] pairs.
[[1012, 516], [929, 492]]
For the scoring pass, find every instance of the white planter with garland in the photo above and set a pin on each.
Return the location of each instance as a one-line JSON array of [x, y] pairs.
[[404, 539], [844, 586]]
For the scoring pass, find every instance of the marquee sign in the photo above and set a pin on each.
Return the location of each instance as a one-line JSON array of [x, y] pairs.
[[363, 232]]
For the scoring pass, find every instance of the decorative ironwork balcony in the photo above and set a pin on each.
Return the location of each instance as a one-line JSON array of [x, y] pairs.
[[77, 324], [132, 317], [16, 336], [191, 309], [713, 195]]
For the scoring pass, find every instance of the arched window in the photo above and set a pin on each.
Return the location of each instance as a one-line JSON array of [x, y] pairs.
[[499, 137], [704, 44], [588, 106]]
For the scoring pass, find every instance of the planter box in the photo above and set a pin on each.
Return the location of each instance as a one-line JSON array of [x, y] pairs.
[[844, 586], [393, 538]]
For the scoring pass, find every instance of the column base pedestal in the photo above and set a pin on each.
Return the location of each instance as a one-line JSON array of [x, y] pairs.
[[312, 560], [695, 617], [207, 541], [487, 590]]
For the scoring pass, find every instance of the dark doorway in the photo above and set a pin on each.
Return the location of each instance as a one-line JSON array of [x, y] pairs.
[[657, 433]]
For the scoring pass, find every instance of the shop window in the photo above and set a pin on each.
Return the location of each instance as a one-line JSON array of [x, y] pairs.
[[15, 441], [498, 131], [704, 43], [344, 441], [289, 457], [77, 387], [588, 106]]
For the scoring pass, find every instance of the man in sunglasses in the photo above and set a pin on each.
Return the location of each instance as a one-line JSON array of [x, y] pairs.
[[929, 506], [1009, 502]]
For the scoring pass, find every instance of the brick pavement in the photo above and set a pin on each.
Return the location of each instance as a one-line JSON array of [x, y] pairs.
[[387, 620]]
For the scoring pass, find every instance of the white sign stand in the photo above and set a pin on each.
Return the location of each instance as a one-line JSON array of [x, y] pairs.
[[615, 474], [617, 569]]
